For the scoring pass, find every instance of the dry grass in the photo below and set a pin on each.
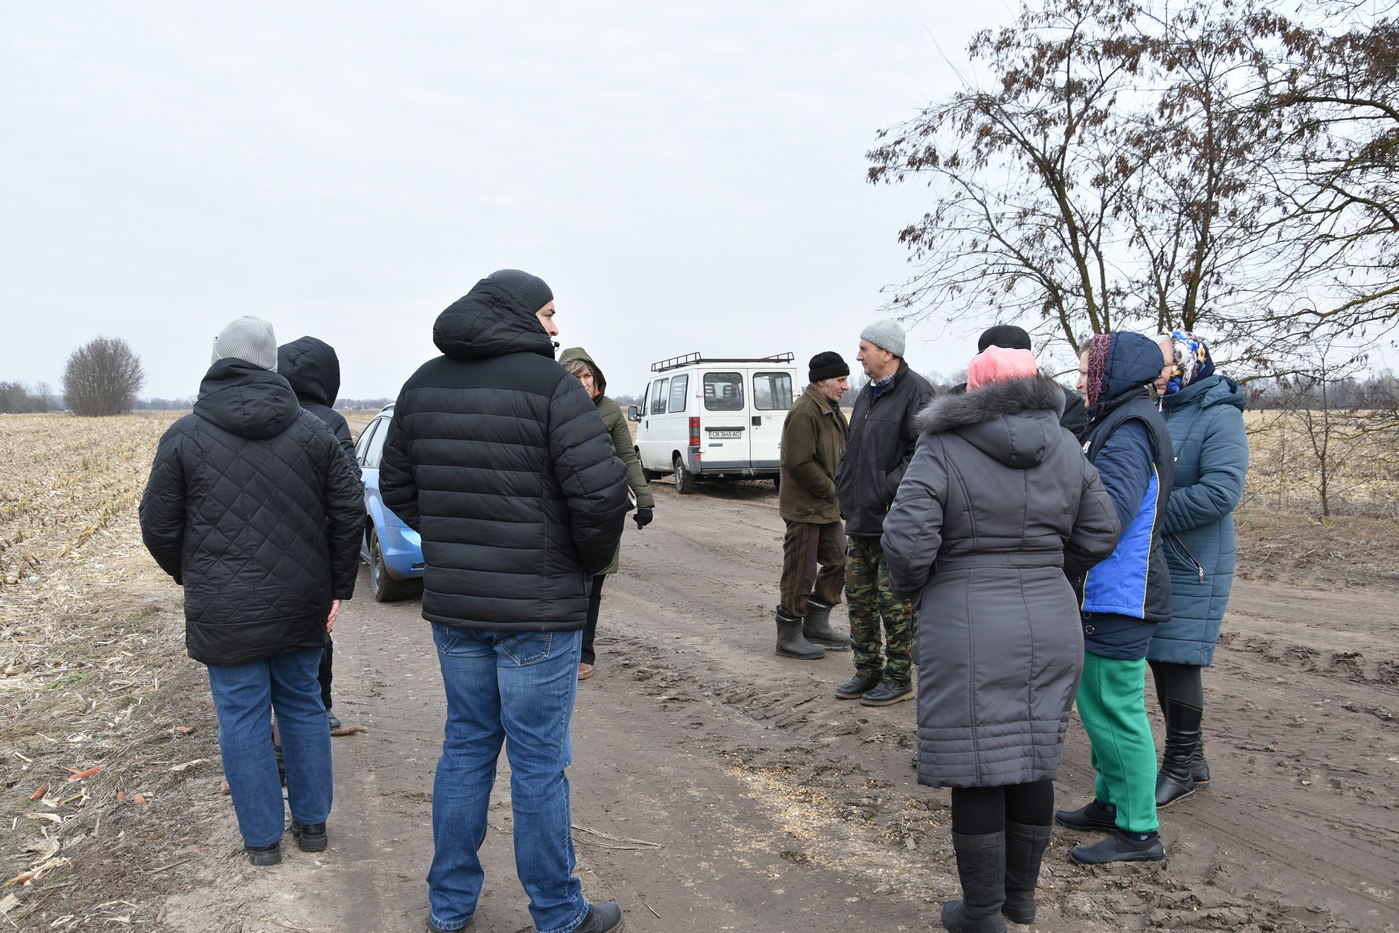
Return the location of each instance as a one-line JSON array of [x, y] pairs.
[[91, 635], [1284, 470]]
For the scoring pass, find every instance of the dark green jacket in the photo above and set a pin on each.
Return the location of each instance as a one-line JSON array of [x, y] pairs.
[[814, 437], [617, 425]]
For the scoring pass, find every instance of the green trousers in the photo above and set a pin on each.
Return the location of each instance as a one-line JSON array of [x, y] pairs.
[[1112, 705]]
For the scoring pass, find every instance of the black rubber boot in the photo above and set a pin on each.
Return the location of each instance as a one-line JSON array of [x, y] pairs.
[[1025, 847], [981, 866], [817, 626], [1174, 782], [790, 642]]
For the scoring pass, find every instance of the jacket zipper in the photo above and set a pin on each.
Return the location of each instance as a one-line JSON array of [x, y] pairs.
[[1176, 543]]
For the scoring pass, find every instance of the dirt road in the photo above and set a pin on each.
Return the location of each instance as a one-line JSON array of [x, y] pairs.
[[717, 787]]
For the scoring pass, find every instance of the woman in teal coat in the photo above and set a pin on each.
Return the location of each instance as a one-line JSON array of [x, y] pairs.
[[1204, 414]]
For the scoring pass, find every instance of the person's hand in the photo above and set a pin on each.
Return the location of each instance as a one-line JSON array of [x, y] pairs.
[[330, 619], [643, 518]]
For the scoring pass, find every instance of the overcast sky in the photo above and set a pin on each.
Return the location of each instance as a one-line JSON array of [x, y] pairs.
[[685, 176]]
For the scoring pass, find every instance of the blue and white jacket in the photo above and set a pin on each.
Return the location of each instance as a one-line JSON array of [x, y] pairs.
[[1124, 597]]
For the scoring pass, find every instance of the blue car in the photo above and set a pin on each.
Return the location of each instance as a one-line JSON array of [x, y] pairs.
[[393, 551]]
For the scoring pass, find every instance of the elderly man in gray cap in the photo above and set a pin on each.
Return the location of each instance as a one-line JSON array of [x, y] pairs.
[[882, 438], [253, 507]]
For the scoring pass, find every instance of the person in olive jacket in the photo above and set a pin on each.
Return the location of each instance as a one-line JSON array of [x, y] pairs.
[[313, 369], [1204, 414], [882, 438], [497, 457], [814, 436], [996, 506], [254, 509], [577, 361]]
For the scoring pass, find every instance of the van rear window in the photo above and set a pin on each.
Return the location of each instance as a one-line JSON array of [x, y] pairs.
[[772, 391], [723, 392], [658, 398]]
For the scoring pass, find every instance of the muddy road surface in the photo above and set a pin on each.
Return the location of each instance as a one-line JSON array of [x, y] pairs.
[[718, 787]]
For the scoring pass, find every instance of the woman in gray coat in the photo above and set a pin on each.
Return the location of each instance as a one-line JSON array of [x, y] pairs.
[[997, 503]]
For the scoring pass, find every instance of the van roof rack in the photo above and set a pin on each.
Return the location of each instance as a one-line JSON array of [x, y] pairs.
[[689, 359]]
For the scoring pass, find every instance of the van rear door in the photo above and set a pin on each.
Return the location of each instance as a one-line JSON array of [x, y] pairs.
[[724, 428]]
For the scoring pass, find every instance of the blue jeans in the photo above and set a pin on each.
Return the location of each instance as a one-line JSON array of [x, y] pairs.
[[520, 688], [245, 696]]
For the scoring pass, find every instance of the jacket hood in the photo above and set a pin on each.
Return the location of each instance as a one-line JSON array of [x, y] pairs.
[[1207, 392], [578, 353], [246, 400], [1015, 422], [490, 320], [312, 368], [1133, 362]]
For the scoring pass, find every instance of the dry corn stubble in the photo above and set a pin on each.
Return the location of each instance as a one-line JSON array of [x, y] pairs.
[[92, 668]]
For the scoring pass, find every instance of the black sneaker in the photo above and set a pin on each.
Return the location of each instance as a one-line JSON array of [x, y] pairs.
[[602, 918], [1120, 847], [311, 838], [887, 693], [264, 855], [857, 687], [1093, 816]]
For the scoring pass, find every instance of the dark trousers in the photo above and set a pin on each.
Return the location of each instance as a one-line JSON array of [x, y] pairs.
[[323, 675], [813, 564], [590, 628], [980, 810]]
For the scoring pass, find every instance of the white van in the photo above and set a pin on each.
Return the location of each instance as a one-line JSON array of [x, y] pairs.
[[714, 418]]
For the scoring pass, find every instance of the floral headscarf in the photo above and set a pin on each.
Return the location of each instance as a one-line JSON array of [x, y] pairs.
[[1193, 361]]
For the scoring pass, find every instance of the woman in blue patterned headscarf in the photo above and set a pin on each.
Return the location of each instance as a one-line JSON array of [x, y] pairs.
[[1204, 414]]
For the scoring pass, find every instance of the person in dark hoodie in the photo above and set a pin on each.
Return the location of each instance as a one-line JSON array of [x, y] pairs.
[[497, 457], [577, 361], [1124, 597], [997, 504], [313, 370], [253, 508]]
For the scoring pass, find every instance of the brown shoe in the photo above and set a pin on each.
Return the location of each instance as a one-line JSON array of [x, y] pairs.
[[585, 670]]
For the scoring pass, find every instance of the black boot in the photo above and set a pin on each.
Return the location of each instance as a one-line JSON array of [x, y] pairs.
[[817, 627], [981, 866], [790, 642], [1024, 849], [1174, 781], [1199, 768]]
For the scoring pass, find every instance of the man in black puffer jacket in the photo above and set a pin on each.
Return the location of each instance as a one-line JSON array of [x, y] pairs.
[[497, 457], [253, 507], [313, 370]]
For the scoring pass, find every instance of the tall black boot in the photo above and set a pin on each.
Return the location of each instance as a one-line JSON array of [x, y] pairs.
[[1199, 768], [817, 626], [981, 866], [790, 642], [1024, 849], [1174, 782]]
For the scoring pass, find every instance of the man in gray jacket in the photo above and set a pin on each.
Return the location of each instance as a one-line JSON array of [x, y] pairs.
[[882, 439]]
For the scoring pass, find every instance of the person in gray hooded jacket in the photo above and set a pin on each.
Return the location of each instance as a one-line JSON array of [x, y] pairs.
[[996, 504]]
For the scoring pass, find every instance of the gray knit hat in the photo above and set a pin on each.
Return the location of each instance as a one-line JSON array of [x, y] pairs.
[[249, 339], [887, 335], [533, 290]]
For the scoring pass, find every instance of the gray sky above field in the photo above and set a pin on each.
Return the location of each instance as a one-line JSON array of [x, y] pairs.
[[686, 176]]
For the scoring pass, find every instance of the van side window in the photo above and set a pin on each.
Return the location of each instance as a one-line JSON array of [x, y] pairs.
[[375, 451], [723, 392], [678, 387], [658, 398], [772, 391]]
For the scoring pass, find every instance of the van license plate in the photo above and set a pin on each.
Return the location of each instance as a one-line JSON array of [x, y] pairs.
[[714, 434]]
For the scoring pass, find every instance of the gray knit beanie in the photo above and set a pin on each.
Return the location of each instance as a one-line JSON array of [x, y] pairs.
[[533, 290], [887, 335], [249, 339]]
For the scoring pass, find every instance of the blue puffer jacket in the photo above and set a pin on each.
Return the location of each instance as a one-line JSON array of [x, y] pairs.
[[1207, 429]]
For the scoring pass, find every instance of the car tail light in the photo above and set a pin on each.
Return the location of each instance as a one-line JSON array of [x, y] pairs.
[[694, 432]]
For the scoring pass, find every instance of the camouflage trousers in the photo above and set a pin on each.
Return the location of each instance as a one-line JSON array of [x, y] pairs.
[[871, 600]]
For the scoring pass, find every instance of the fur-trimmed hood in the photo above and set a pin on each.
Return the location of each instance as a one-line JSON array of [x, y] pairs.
[[1013, 422]]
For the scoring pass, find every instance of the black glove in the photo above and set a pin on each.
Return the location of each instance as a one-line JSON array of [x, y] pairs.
[[643, 518]]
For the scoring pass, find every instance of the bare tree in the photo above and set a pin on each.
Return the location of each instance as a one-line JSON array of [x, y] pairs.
[[102, 378]]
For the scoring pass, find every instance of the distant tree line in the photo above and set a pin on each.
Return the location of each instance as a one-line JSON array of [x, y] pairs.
[[17, 398]]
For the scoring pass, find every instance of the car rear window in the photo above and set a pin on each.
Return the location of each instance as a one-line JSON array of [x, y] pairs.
[[723, 392], [772, 391]]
